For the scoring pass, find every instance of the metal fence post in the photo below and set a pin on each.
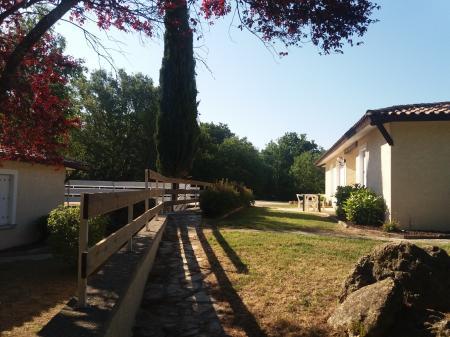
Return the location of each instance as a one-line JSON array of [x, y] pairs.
[[83, 239]]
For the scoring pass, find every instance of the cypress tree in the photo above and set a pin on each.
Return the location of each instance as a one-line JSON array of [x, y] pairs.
[[177, 127]]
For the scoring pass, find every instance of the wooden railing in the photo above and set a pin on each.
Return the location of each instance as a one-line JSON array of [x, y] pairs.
[[90, 259]]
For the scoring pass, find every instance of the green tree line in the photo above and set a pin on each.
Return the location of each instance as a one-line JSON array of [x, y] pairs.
[[119, 115]]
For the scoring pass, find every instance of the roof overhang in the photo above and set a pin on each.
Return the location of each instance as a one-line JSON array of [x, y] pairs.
[[360, 129], [375, 119]]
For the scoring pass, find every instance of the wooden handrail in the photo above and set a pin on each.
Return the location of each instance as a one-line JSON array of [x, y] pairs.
[[96, 204], [99, 203], [159, 177]]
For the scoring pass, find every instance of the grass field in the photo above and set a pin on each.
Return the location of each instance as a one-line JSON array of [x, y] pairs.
[[275, 218], [288, 281]]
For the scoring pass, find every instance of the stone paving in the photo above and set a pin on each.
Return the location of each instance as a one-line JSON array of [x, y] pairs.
[[177, 301]]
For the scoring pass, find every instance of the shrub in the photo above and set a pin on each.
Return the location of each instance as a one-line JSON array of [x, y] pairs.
[[41, 225], [246, 196], [223, 197], [341, 195], [364, 207], [391, 226], [63, 226]]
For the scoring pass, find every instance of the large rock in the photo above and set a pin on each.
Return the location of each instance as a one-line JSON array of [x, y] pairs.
[[422, 274], [369, 311]]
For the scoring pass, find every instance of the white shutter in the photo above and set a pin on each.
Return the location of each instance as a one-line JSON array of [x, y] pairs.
[[366, 163], [358, 168], [5, 198]]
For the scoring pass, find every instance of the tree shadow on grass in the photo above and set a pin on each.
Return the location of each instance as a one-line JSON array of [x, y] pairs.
[[242, 316], [240, 266], [266, 219]]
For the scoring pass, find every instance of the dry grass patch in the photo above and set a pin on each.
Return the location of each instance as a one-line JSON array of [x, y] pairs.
[[32, 292], [291, 281], [288, 282]]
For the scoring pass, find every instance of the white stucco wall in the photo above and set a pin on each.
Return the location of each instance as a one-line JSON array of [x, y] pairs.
[[378, 166], [40, 189], [421, 175]]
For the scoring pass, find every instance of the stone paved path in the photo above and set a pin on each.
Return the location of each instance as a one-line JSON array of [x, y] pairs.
[[176, 301]]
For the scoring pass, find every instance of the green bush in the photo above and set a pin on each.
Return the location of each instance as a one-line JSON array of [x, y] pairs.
[[341, 195], [246, 196], [63, 225], [364, 207], [223, 197]]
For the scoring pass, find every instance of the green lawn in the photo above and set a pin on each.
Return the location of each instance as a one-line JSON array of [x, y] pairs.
[[289, 281], [277, 219]]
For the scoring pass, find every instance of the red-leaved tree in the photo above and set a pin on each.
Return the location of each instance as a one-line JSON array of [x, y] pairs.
[[35, 116]]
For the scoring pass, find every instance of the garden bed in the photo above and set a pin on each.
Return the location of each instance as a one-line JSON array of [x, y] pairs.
[[401, 234]]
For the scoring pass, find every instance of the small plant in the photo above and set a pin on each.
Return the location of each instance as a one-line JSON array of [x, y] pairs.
[[223, 197], [341, 195], [364, 207], [358, 329], [391, 226], [63, 227]]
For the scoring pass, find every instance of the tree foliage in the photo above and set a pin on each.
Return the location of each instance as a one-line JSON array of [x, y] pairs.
[[31, 67], [326, 23], [280, 156], [178, 131], [307, 176], [118, 125], [285, 167], [36, 116]]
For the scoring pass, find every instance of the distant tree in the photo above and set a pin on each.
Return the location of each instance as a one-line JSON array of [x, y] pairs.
[[240, 161], [279, 156], [118, 125], [216, 132], [222, 155], [307, 176], [206, 163], [178, 130]]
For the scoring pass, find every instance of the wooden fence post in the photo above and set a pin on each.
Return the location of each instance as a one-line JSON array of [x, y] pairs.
[[146, 200], [130, 218], [83, 239], [174, 196]]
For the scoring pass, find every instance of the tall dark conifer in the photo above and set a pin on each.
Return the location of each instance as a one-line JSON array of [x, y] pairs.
[[178, 130]]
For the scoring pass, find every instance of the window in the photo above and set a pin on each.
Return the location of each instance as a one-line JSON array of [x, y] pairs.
[[8, 189]]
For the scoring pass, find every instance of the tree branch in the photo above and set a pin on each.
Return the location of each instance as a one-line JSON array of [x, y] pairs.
[[38, 31], [15, 8]]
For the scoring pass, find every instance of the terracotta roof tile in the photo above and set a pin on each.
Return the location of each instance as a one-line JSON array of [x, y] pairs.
[[422, 109]]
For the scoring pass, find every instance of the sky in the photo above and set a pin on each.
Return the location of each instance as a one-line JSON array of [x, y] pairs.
[[405, 59]]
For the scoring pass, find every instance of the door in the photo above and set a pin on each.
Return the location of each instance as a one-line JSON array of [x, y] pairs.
[[5, 198]]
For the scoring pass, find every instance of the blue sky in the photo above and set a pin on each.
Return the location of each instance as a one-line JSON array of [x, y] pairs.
[[405, 59]]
